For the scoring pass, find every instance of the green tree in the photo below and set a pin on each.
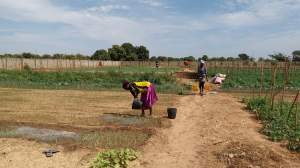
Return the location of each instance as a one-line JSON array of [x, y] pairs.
[[296, 55], [46, 56], [279, 57], [29, 55], [142, 52], [58, 56], [117, 53], [100, 55], [189, 58], [131, 57], [162, 58], [153, 58], [230, 59], [129, 48], [205, 57], [244, 57]]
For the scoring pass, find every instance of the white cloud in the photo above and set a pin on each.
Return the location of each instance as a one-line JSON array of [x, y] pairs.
[[177, 34], [153, 3], [108, 8], [96, 26], [258, 12]]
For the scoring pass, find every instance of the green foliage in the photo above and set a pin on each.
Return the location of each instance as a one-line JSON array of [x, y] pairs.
[[116, 53], [142, 52], [189, 58], [251, 78], [205, 58], [97, 80], [114, 158], [100, 55], [27, 68], [277, 124], [131, 53], [244, 57], [296, 55], [279, 57]]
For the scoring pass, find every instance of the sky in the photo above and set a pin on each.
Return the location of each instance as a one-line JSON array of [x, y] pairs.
[[166, 27]]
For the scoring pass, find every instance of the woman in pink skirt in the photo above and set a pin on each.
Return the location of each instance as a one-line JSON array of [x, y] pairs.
[[148, 93]]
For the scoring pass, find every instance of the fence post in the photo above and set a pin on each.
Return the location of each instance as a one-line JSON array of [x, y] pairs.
[[2, 67], [22, 63], [274, 72], [294, 103], [6, 63], [261, 78]]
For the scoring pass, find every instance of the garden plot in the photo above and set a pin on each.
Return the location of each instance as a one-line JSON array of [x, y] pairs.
[[83, 109]]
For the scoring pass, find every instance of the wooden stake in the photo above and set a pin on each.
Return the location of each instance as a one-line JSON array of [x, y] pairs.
[[261, 78], [6, 63], [274, 72], [292, 107]]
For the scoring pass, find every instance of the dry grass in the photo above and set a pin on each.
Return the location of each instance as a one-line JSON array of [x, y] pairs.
[[69, 107], [114, 139]]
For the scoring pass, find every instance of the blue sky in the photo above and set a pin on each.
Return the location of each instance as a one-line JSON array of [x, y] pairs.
[[167, 27]]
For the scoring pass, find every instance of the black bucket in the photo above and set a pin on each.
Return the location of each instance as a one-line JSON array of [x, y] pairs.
[[137, 104], [172, 113]]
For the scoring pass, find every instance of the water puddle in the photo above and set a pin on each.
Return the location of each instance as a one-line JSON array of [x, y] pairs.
[[46, 135]]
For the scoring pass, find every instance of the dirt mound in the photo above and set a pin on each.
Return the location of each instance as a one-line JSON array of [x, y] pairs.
[[241, 155]]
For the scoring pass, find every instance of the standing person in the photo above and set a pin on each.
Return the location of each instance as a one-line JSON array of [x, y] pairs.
[[202, 74], [148, 93]]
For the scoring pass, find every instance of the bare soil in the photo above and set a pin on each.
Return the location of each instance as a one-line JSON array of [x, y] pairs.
[[69, 108], [214, 131], [209, 131]]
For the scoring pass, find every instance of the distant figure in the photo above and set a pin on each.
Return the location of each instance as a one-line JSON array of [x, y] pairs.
[[202, 74], [156, 64], [148, 93]]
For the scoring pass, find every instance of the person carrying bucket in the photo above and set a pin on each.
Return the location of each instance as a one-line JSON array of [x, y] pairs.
[[148, 93], [202, 76]]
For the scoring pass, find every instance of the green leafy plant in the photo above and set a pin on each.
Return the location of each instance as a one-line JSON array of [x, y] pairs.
[[114, 158], [276, 123]]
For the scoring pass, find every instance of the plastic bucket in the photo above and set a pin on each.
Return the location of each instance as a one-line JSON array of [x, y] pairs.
[[172, 113], [137, 104]]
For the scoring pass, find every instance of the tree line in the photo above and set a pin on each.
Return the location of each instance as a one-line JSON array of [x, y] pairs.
[[129, 52], [124, 52]]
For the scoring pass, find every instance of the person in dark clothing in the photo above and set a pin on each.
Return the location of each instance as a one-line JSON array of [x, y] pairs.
[[202, 76]]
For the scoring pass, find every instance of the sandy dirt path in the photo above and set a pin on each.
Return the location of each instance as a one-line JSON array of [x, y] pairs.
[[18, 153], [214, 131]]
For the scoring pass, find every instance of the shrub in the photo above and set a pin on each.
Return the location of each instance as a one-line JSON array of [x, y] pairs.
[[114, 159]]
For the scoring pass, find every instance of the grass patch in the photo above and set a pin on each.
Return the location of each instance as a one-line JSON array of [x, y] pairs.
[[107, 139], [84, 80], [277, 124], [8, 133], [115, 139], [131, 69]]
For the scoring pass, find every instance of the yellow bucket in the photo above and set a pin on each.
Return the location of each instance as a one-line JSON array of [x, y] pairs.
[[207, 87], [195, 87]]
